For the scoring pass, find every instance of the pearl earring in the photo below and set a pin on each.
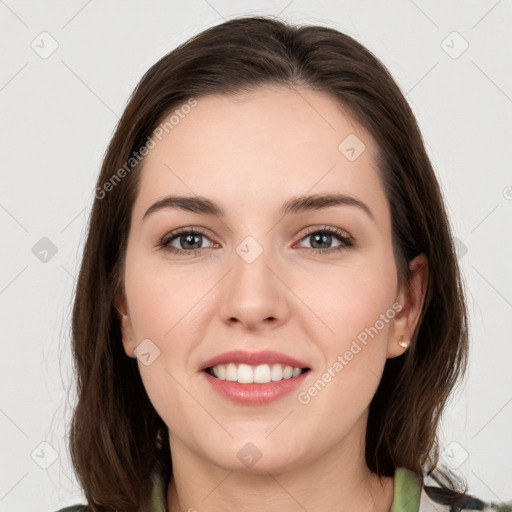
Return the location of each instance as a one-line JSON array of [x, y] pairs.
[[403, 342]]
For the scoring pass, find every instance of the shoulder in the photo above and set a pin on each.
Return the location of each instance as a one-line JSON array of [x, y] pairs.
[[434, 499], [428, 504], [74, 508]]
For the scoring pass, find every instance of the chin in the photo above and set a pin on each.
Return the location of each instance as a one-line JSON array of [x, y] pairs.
[[257, 455]]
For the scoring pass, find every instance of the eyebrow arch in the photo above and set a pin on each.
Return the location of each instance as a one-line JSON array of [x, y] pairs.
[[298, 204]]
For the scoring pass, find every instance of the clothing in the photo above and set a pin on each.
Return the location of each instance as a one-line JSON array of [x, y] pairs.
[[409, 496]]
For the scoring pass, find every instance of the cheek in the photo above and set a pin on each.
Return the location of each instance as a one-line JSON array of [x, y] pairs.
[[357, 307], [356, 303], [164, 304], [350, 301], [162, 299]]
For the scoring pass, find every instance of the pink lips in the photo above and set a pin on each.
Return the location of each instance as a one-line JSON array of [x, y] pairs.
[[254, 394], [254, 359]]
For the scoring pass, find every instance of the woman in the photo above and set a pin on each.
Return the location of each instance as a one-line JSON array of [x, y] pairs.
[[269, 313]]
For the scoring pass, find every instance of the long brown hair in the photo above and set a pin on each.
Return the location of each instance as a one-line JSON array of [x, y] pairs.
[[117, 439]]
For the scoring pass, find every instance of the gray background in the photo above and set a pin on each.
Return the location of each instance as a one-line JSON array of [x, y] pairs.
[[59, 111]]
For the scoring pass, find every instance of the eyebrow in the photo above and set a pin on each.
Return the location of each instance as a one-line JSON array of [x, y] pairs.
[[298, 204]]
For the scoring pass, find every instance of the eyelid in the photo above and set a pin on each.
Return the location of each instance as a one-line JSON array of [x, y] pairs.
[[330, 229]]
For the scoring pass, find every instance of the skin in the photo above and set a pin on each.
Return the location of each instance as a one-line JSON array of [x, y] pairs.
[[249, 155]]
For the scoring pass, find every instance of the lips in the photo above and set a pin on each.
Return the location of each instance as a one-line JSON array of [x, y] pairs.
[[258, 390], [253, 359]]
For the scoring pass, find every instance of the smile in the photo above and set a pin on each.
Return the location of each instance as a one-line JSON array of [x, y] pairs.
[[260, 374]]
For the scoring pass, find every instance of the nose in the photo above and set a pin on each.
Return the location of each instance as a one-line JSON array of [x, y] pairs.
[[254, 294]]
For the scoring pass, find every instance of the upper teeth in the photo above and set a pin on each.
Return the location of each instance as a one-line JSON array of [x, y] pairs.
[[261, 374]]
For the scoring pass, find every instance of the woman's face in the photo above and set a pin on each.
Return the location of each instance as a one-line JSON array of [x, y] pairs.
[[262, 278]]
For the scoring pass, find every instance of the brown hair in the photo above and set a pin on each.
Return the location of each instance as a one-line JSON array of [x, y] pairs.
[[117, 439]]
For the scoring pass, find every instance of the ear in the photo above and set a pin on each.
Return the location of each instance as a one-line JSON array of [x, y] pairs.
[[410, 297], [126, 324]]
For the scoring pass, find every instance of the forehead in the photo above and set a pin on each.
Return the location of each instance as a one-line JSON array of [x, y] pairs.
[[266, 145]]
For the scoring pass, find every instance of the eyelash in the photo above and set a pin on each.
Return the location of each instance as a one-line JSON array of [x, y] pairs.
[[346, 241]]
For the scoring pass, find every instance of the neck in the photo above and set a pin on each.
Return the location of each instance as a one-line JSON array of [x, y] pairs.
[[338, 480]]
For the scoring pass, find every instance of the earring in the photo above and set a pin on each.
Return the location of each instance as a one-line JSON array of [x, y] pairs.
[[403, 342]]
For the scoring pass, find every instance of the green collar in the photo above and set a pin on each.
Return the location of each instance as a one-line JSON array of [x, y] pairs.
[[158, 497], [407, 489]]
